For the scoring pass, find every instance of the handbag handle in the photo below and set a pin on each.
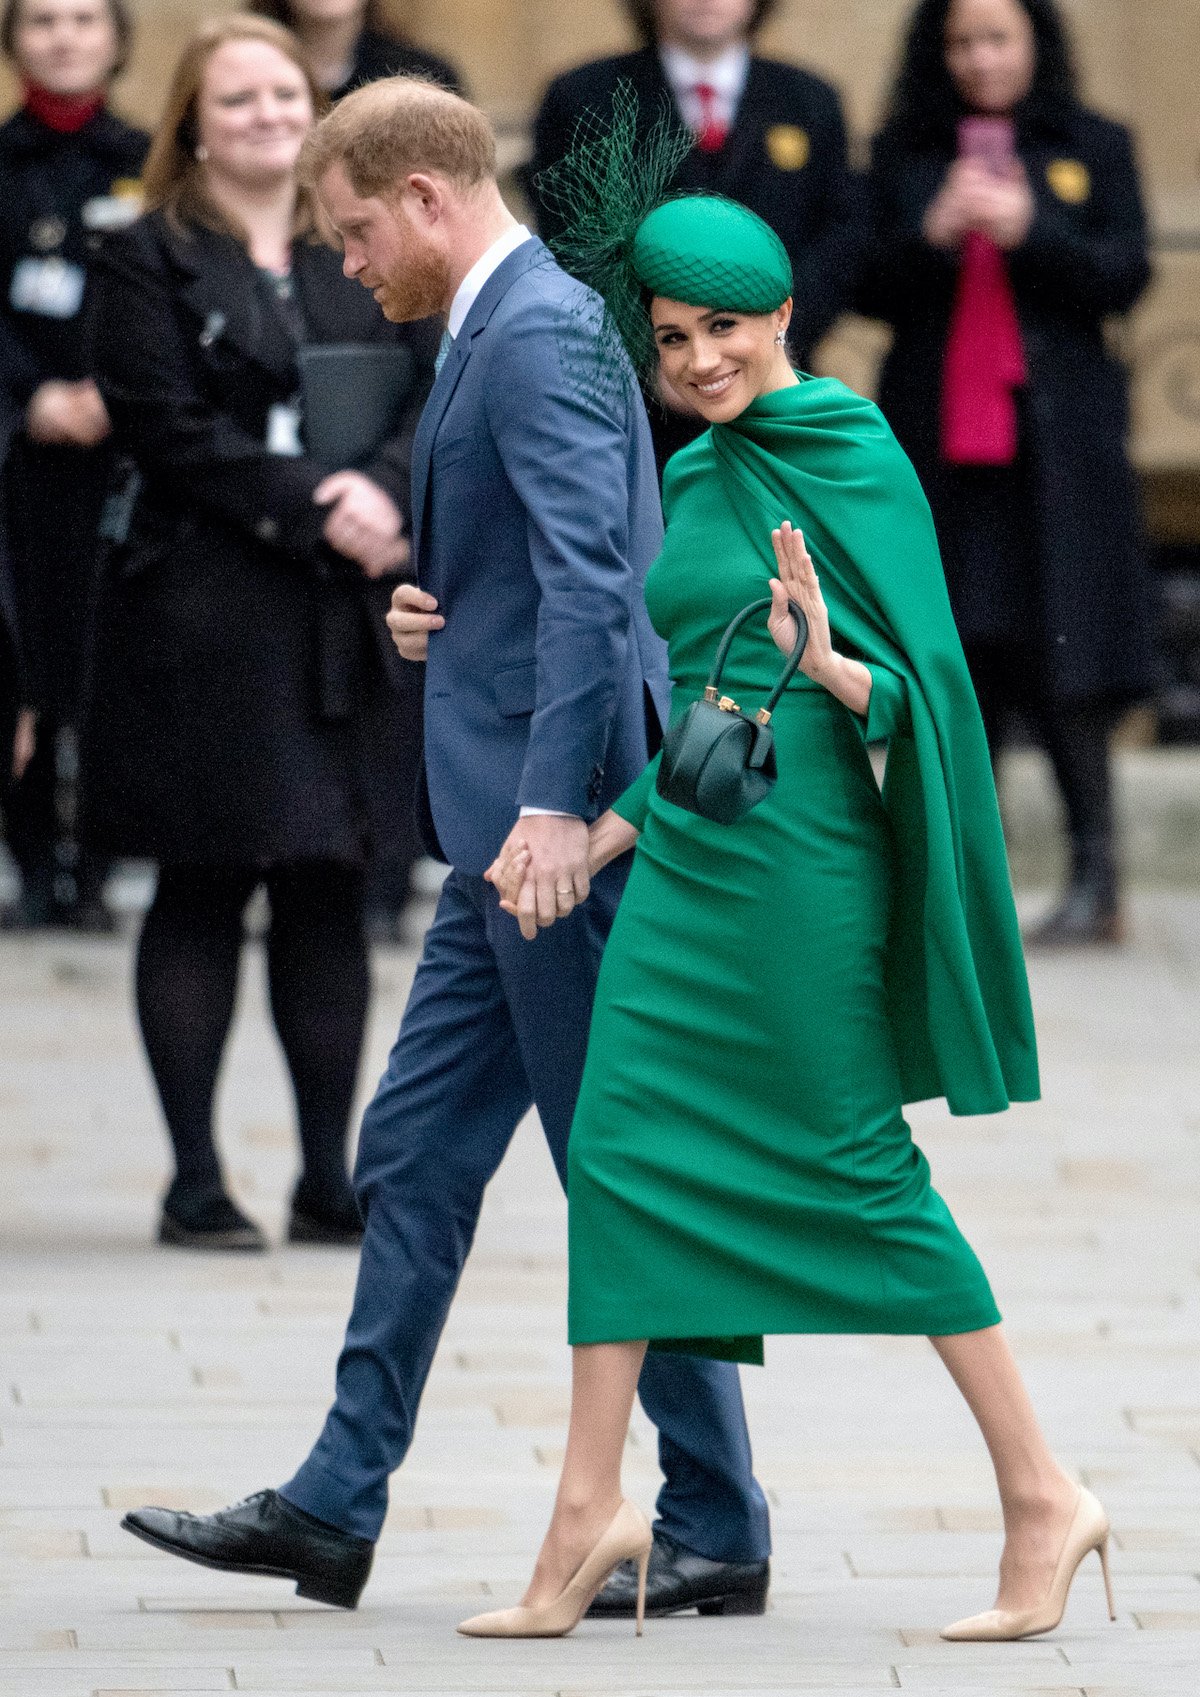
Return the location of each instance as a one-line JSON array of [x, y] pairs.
[[791, 665]]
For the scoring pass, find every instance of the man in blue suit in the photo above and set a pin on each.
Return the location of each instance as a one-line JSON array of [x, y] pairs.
[[535, 516]]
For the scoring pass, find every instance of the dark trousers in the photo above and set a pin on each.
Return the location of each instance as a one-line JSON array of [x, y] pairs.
[[494, 1025], [1075, 736], [188, 961], [57, 872]]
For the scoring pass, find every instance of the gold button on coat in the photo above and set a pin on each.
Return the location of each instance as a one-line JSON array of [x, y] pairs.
[[788, 146], [1070, 180]]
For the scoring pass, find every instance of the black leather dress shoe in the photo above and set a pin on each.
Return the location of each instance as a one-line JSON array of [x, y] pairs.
[[264, 1534], [679, 1579]]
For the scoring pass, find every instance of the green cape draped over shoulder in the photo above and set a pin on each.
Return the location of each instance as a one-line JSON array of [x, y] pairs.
[[826, 459]]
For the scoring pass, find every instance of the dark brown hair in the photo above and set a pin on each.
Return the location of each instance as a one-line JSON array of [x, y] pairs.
[[388, 128], [174, 179], [644, 14], [924, 100], [118, 11]]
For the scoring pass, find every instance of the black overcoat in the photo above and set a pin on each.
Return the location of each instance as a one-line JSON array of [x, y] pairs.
[[377, 55], [1083, 260], [57, 192], [785, 158], [13, 685], [234, 654]]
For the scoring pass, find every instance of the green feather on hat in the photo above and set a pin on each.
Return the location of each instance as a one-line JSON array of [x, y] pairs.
[[629, 240]]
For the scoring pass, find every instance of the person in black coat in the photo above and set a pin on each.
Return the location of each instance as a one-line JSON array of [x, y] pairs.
[[17, 719], [349, 42], [68, 169], [998, 254], [240, 638], [767, 134]]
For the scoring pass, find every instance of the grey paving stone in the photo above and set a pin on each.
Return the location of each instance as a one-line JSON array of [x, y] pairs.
[[128, 1374]]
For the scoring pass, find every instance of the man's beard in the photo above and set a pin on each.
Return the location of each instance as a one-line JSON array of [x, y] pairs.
[[420, 289]]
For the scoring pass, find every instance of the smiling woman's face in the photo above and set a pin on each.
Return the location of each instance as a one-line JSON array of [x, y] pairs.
[[720, 361]]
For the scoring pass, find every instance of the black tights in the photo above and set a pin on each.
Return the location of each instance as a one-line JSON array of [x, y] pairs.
[[317, 968], [1075, 735]]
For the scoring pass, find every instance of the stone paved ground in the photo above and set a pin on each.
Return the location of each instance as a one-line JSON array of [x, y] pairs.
[[130, 1374]]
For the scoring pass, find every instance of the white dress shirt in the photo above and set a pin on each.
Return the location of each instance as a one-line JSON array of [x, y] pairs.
[[472, 284], [725, 75]]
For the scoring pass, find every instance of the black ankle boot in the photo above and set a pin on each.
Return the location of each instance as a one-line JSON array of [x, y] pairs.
[[1090, 911]]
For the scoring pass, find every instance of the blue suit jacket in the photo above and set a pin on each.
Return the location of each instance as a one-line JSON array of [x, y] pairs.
[[536, 513]]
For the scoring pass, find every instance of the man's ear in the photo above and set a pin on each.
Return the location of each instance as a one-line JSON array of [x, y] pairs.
[[425, 194]]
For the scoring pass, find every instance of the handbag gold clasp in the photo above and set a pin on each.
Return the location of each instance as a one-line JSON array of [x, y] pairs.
[[728, 705], [762, 717]]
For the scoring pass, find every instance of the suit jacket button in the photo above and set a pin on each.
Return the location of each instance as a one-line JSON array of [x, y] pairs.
[[267, 530]]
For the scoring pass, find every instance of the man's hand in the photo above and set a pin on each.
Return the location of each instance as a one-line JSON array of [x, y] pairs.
[[414, 614], [363, 523], [68, 414], [548, 854]]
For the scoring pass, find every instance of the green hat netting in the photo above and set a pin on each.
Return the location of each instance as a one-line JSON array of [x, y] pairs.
[[707, 251], [621, 236]]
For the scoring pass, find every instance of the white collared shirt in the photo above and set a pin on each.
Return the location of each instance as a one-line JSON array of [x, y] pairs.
[[472, 284], [726, 76]]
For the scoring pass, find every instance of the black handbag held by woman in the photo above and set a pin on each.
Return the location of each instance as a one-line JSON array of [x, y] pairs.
[[716, 761]]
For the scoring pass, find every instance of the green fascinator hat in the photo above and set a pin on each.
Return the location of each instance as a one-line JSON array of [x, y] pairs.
[[619, 229], [707, 251]]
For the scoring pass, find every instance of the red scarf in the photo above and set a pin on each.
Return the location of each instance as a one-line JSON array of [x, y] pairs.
[[65, 113], [985, 361]]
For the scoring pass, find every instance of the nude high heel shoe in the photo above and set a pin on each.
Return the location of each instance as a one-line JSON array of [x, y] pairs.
[[1088, 1531], [628, 1537]]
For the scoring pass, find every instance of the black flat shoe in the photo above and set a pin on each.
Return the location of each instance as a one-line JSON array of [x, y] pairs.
[[317, 1220], [264, 1534], [210, 1222], [679, 1579]]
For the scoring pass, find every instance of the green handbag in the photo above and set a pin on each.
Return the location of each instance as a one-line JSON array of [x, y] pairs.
[[715, 760]]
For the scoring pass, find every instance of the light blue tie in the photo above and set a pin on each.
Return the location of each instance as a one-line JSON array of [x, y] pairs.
[[447, 342]]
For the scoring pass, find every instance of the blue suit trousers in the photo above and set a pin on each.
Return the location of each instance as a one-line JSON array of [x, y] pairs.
[[494, 1024]]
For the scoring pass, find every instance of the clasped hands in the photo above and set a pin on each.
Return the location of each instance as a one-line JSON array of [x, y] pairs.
[[543, 870], [363, 523], [975, 197]]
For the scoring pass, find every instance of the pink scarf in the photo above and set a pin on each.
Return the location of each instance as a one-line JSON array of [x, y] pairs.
[[984, 363]]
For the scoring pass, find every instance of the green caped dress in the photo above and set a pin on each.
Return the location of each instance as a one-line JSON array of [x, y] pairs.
[[773, 992]]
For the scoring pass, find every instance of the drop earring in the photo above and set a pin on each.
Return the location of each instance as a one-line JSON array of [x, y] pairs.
[[781, 339]]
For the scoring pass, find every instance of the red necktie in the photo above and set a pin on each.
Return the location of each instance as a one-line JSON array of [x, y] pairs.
[[711, 130]]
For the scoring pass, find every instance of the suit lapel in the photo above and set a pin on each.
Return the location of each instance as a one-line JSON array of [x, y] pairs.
[[517, 263], [746, 133], [654, 92]]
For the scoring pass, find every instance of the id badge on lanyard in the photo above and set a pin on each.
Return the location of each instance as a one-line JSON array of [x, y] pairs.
[[50, 288], [283, 429]]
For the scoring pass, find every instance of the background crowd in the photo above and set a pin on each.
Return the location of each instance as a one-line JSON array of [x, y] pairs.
[[193, 662]]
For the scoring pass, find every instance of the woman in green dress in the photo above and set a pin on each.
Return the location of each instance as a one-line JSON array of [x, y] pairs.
[[774, 991]]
